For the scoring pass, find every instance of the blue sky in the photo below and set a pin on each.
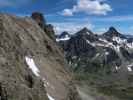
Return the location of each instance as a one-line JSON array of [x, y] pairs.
[[72, 15]]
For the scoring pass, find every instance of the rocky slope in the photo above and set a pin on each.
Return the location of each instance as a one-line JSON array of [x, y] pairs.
[[31, 65], [48, 28], [102, 60]]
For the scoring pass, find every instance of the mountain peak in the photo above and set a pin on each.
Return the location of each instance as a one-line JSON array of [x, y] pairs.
[[112, 32], [64, 34], [84, 31]]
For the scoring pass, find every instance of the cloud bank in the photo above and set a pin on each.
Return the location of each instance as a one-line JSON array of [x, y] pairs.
[[70, 27], [96, 7]]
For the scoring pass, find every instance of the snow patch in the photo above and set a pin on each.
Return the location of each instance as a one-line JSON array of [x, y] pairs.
[[46, 83], [93, 44], [117, 68], [97, 54], [103, 40], [88, 33], [117, 48], [74, 57], [119, 40], [130, 45], [129, 67], [63, 39], [109, 44], [50, 98], [30, 62], [99, 44], [106, 53]]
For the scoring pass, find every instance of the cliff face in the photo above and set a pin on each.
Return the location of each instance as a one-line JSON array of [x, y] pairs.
[[31, 65]]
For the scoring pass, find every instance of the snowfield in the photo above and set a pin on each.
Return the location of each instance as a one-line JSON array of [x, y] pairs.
[[50, 98], [30, 62]]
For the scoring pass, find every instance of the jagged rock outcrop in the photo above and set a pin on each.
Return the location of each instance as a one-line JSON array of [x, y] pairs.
[[48, 28], [39, 18], [31, 65]]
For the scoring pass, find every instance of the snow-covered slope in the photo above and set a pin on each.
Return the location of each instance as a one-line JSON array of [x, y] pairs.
[[64, 36]]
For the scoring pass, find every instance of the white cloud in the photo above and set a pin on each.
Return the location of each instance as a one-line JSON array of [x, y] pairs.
[[67, 12], [71, 27], [96, 7], [101, 30]]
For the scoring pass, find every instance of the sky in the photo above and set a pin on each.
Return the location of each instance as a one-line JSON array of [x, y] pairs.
[[72, 15]]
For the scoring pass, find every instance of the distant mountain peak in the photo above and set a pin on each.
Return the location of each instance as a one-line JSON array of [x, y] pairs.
[[84, 31], [64, 34], [112, 32]]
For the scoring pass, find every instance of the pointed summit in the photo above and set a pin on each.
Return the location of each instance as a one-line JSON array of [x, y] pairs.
[[84, 31], [85, 34], [64, 34], [112, 32]]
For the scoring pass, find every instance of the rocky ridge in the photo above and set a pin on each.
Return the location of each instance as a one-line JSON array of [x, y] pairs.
[[110, 48], [48, 28], [31, 64]]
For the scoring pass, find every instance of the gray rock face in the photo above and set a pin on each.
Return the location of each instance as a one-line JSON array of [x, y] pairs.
[[42, 74], [17, 81], [39, 18], [48, 28]]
